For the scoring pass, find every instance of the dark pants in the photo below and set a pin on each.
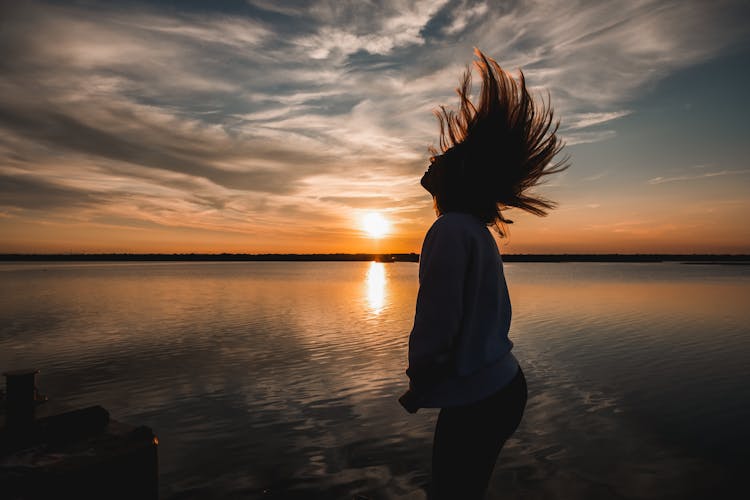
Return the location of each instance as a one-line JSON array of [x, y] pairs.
[[468, 440]]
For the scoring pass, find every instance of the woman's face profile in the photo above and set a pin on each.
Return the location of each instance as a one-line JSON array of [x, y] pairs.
[[428, 179]]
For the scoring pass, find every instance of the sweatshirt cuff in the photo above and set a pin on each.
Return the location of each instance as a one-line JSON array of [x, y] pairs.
[[410, 400]]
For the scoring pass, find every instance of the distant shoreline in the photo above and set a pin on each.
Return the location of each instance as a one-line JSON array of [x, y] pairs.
[[363, 257]]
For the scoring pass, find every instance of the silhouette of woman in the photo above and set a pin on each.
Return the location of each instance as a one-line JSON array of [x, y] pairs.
[[460, 356]]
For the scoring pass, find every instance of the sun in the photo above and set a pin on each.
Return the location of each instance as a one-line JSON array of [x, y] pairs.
[[375, 225]]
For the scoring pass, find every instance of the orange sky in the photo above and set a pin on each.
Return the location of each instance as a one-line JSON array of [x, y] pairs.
[[130, 128]]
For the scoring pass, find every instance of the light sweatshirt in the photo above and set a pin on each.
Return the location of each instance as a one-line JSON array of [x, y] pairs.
[[459, 350]]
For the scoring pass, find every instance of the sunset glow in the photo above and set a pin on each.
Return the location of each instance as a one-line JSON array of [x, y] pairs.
[[375, 282], [375, 225], [259, 127]]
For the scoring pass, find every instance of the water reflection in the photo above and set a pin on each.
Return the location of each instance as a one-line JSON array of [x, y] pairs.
[[638, 373], [375, 285]]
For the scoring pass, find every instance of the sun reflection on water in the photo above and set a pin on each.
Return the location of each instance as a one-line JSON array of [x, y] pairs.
[[375, 285]]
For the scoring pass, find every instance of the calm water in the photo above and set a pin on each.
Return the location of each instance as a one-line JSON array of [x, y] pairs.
[[279, 380]]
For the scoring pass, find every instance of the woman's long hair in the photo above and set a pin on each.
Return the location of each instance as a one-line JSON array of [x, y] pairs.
[[493, 153]]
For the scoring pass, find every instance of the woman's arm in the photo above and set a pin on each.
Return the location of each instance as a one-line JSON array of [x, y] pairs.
[[437, 321]]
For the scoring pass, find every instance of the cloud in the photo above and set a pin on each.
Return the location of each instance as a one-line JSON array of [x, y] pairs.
[[360, 201], [147, 113], [465, 14], [125, 132], [587, 137], [394, 25], [588, 63], [31, 192], [707, 175], [583, 120], [596, 176]]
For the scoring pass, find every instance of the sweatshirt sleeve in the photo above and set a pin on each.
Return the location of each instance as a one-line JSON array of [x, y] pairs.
[[437, 321]]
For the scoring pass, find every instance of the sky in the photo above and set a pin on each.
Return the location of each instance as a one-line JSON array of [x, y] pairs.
[[266, 126]]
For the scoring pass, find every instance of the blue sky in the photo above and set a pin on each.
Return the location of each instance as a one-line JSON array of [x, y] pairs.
[[266, 126]]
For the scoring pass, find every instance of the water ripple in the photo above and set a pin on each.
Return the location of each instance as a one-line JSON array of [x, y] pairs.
[[283, 377]]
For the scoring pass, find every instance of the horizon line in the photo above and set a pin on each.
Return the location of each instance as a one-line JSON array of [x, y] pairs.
[[379, 256]]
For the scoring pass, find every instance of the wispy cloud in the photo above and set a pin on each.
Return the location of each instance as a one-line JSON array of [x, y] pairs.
[[239, 119], [596, 176], [573, 138], [465, 14], [583, 120], [706, 175]]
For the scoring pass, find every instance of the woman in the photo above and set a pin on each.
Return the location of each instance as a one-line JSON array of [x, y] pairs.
[[460, 356]]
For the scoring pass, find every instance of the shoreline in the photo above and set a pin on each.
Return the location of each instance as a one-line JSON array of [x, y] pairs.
[[734, 259]]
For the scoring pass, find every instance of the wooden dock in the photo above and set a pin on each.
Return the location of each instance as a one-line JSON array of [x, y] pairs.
[[81, 453]]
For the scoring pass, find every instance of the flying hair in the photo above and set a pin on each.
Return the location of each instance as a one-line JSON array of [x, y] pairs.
[[494, 152]]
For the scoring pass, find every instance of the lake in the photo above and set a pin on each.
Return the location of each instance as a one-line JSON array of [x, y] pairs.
[[280, 379]]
